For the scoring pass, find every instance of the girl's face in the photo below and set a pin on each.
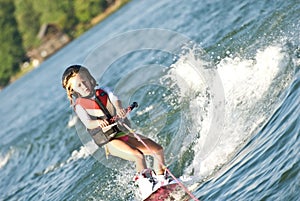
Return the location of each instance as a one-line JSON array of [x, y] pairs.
[[81, 84]]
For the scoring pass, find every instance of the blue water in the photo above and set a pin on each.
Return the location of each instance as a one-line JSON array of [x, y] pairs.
[[236, 141]]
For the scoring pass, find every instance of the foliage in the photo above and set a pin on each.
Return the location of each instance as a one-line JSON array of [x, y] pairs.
[[28, 24], [21, 20], [86, 10], [11, 48], [54, 11]]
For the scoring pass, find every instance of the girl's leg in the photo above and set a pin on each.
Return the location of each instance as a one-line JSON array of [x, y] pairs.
[[123, 150], [159, 159]]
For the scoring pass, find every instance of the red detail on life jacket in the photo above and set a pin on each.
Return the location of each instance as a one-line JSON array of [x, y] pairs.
[[92, 104], [102, 95]]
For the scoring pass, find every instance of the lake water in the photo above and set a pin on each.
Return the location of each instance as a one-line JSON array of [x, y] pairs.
[[217, 85]]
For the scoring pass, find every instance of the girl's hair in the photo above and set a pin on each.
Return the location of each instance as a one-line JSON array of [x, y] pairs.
[[72, 71]]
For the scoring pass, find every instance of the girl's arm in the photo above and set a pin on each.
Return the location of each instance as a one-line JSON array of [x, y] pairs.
[[87, 121], [121, 112]]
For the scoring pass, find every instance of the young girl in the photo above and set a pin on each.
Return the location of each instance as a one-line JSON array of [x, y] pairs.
[[94, 107]]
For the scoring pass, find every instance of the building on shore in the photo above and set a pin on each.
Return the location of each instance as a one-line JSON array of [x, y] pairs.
[[52, 39]]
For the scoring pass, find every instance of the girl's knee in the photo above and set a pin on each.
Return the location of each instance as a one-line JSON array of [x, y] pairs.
[[139, 155], [159, 149]]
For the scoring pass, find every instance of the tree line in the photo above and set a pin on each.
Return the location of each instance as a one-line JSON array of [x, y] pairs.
[[20, 21]]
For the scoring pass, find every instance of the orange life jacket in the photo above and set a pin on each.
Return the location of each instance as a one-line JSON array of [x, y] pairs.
[[97, 134], [87, 103]]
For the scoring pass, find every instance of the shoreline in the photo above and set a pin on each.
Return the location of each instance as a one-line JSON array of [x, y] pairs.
[[27, 67]]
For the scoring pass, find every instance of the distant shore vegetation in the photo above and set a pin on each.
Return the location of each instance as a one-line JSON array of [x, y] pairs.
[[27, 25]]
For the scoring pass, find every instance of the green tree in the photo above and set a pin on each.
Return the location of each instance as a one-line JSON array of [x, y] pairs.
[[85, 10], [28, 22], [57, 12], [11, 48]]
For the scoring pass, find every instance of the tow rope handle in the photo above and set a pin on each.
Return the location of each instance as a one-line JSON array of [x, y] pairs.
[[132, 106], [128, 110]]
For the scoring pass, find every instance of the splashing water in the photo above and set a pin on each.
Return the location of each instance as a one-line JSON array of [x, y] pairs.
[[247, 84]]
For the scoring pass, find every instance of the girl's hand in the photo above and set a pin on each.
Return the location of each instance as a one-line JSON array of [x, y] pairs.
[[103, 123], [121, 112]]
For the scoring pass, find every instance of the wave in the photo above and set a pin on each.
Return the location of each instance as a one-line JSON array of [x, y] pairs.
[[4, 158], [82, 153], [251, 88], [72, 121]]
